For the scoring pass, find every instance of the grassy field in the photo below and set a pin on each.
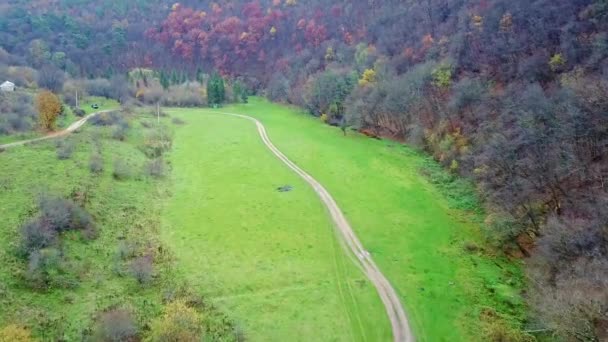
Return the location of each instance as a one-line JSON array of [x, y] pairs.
[[268, 257], [94, 275], [265, 261]]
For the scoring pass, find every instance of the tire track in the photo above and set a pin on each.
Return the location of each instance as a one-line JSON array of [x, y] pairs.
[[73, 127], [394, 309]]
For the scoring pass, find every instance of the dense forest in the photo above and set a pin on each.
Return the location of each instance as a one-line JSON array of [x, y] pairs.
[[512, 94]]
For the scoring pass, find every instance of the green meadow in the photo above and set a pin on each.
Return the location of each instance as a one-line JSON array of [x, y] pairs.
[[272, 258], [267, 264]]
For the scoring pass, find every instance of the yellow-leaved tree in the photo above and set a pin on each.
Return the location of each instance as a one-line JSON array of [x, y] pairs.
[[369, 76], [49, 108]]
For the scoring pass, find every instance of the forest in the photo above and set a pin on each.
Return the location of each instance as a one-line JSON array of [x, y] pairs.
[[511, 94]]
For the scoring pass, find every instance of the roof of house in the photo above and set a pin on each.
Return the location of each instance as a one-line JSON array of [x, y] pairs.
[[7, 83]]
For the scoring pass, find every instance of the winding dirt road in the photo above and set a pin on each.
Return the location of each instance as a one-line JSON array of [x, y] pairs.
[[399, 322], [73, 127]]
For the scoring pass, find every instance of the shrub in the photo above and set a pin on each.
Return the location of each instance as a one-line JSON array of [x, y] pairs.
[[120, 132], [78, 112], [56, 215], [178, 323], [178, 121], [116, 325], [37, 234], [156, 168], [65, 149], [43, 266], [142, 269], [156, 143], [122, 170], [107, 119], [96, 163], [64, 215], [14, 333]]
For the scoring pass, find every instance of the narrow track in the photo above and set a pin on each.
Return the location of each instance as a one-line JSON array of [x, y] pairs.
[[394, 309], [73, 127]]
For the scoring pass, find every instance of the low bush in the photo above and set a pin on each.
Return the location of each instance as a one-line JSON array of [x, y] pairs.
[[142, 269], [14, 333], [107, 119], [178, 121], [156, 168], [120, 132], [156, 143], [116, 325], [43, 266], [56, 215], [65, 149], [96, 163], [122, 170], [178, 323], [37, 234], [78, 112]]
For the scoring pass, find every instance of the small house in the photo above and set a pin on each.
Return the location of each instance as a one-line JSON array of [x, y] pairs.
[[7, 86]]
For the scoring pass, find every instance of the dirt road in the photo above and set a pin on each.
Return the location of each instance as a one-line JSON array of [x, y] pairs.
[[394, 309], [76, 125]]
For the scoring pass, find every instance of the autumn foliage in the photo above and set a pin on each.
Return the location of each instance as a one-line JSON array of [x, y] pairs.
[[49, 108]]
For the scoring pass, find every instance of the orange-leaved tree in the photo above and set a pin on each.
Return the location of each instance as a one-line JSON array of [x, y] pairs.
[[49, 108]]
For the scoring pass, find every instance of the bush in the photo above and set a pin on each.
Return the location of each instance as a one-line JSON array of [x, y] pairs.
[[179, 323], [96, 163], [107, 119], [56, 215], [43, 266], [122, 170], [120, 132], [37, 234], [142, 269], [78, 112], [178, 121], [14, 333], [65, 149], [116, 325], [156, 143], [156, 168]]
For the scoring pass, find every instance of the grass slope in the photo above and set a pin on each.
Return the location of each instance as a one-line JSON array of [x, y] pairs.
[[127, 214], [269, 259], [411, 228]]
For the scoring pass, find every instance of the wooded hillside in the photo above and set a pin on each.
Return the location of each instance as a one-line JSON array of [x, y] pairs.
[[510, 93]]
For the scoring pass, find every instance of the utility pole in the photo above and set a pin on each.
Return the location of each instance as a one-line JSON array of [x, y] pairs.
[[158, 113]]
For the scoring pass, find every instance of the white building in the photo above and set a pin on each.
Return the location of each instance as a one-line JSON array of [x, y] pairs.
[[7, 86]]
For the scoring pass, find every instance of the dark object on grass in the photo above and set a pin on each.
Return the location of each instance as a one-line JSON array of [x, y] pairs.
[[95, 106], [285, 188]]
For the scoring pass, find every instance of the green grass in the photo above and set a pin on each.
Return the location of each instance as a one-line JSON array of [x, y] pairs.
[[241, 239], [102, 102], [269, 259], [124, 211]]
